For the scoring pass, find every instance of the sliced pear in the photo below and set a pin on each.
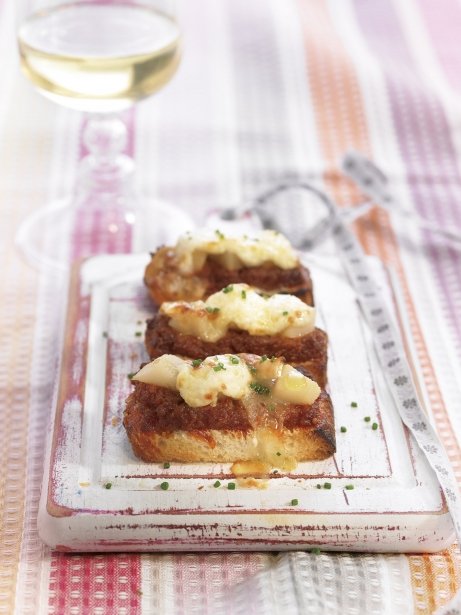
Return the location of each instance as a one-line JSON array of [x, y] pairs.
[[162, 372], [228, 260], [295, 388], [198, 260]]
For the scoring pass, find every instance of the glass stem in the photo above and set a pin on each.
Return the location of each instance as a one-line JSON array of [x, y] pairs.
[[106, 170]]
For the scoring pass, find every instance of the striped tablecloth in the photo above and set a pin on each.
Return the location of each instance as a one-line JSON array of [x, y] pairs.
[[268, 89]]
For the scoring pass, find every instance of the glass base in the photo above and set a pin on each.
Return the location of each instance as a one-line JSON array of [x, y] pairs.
[[55, 236]]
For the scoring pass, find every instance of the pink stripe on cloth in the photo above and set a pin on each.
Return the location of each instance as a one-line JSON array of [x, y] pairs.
[[443, 23], [203, 582], [103, 231], [84, 583], [88, 582]]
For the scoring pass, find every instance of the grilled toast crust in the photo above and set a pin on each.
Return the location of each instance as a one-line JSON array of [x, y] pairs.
[[162, 427], [166, 283], [308, 353]]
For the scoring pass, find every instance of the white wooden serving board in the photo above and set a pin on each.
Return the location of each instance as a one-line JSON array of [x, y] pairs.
[[395, 505]]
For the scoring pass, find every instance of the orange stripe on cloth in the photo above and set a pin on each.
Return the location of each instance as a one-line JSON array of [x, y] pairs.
[[434, 579], [17, 322], [341, 120]]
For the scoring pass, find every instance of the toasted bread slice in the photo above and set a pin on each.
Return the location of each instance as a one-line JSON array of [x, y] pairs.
[[166, 282], [307, 353], [162, 426]]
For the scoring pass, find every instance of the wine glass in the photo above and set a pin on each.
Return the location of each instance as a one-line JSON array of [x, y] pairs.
[[98, 56]]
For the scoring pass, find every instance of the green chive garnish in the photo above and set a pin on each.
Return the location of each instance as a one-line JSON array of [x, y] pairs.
[[327, 485], [319, 486], [244, 294], [131, 374], [367, 419], [259, 388], [138, 333], [284, 313], [264, 358], [231, 486], [278, 454], [105, 334], [294, 502], [108, 486], [349, 487], [228, 289], [197, 362], [166, 465], [212, 310], [316, 550], [374, 426], [217, 484], [164, 486], [234, 360], [354, 404], [219, 234], [219, 367], [343, 429]]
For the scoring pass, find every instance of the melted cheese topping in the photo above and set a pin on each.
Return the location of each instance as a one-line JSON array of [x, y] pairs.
[[239, 306], [201, 382], [234, 252]]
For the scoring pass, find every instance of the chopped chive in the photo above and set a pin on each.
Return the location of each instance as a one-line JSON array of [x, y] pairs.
[[131, 374], [252, 369], [264, 358], [165, 486], [319, 486], [105, 334], [108, 486], [278, 454], [212, 310], [231, 486], [343, 429], [354, 404], [244, 294], [284, 313], [327, 485], [197, 362], [219, 234], [367, 419], [349, 487], [219, 367], [217, 484], [294, 502], [259, 388], [234, 360], [374, 426], [166, 465], [228, 289], [316, 550], [138, 333]]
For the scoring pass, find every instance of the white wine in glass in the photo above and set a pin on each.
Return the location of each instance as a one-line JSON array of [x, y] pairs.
[[100, 57]]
